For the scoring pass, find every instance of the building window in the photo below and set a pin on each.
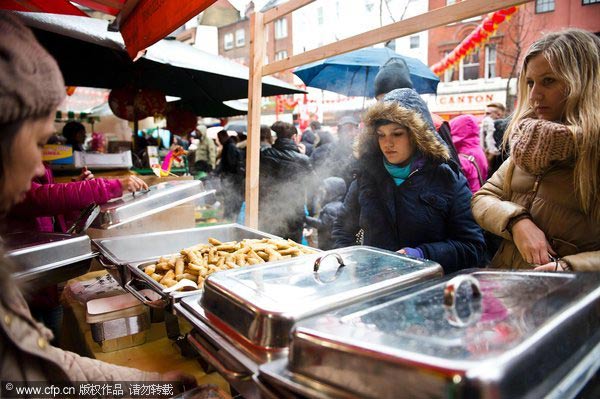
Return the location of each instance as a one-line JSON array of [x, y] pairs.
[[448, 2], [469, 67], [415, 41], [280, 55], [320, 15], [281, 28], [240, 38], [490, 62], [228, 41], [586, 2], [544, 6]]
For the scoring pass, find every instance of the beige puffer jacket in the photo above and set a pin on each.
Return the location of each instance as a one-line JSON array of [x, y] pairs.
[[553, 207], [26, 354]]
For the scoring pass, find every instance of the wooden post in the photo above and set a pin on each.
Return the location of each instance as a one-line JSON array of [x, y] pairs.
[[257, 55]]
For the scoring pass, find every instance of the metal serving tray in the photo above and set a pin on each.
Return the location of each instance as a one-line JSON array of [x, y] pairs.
[[157, 198], [48, 258], [477, 334], [130, 254], [118, 252], [259, 305]]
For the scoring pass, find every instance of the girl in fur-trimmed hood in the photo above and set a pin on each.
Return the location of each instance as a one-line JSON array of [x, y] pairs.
[[406, 197]]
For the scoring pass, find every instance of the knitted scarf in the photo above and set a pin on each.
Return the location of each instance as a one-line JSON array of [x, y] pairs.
[[398, 173], [541, 144]]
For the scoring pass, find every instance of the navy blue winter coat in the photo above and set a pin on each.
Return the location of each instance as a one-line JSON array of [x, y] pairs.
[[429, 211]]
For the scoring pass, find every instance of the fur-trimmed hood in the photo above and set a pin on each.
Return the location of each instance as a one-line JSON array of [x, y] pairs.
[[407, 108]]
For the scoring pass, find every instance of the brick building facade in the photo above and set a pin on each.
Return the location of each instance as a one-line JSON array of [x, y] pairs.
[[234, 41]]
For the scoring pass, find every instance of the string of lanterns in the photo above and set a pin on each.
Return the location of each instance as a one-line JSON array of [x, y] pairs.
[[477, 37], [132, 104]]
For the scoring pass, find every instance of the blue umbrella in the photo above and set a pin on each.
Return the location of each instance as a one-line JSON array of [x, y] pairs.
[[353, 73]]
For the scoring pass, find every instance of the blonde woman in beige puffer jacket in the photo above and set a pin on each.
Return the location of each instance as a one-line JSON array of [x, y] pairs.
[[544, 200]]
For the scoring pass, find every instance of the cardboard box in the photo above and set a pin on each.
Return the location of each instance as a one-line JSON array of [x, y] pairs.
[[96, 160]]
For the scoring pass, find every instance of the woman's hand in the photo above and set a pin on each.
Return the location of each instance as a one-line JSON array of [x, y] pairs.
[[555, 266], [548, 267], [531, 243], [132, 183], [85, 175]]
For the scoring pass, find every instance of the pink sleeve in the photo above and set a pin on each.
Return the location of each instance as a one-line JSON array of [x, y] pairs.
[[60, 198]]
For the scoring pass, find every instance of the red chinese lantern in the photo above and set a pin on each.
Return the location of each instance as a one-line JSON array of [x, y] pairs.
[[482, 32], [150, 102], [181, 121], [509, 11], [488, 25], [122, 103], [498, 18]]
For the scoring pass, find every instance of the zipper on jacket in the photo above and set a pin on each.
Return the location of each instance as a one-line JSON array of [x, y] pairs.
[[534, 190]]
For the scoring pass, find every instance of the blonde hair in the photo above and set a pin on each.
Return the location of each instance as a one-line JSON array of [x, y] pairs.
[[574, 57]]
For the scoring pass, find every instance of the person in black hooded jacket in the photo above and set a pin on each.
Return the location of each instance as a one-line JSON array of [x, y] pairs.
[[332, 192], [285, 176], [407, 198]]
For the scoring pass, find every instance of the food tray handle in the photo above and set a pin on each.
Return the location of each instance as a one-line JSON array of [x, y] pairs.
[[215, 362], [317, 266], [451, 291], [157, 304], [107, 266]]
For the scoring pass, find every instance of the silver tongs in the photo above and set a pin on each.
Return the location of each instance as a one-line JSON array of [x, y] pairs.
[[85, 219], [140, 192]]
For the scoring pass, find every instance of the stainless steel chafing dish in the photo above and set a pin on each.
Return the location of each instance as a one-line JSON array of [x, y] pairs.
[[244, 316], [127, 256], [157, 198], [477, 334], [48, 258]]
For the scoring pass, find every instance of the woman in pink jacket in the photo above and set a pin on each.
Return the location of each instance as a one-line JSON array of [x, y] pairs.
[[465, 136], [50, 206]]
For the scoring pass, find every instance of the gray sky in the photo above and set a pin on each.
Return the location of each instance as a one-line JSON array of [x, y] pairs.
[[241, 4]]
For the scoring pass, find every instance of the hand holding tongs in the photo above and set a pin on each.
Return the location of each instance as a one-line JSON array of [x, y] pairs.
[[140, 192]]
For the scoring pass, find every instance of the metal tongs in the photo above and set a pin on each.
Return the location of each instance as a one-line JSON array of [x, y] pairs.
[[140, 192], [85, 219]]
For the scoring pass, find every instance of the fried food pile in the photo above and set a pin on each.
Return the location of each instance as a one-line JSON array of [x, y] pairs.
[[198, 262]]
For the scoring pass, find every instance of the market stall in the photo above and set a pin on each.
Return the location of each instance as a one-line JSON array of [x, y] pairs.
[[276, 320]]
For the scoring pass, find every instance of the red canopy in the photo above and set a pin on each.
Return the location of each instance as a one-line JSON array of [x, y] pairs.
[[141, 22]]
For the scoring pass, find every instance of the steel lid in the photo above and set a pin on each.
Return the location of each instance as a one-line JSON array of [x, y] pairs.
[[157, 198], [36, 253], [261, 304], [499, 334]]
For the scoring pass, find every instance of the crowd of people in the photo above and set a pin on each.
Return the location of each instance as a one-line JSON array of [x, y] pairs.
[[397, 182], [464, 192]]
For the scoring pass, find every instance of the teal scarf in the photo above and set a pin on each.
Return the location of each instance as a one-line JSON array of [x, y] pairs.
[[398, 173]]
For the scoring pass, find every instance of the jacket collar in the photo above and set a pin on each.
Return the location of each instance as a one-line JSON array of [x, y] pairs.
[[286, 145]]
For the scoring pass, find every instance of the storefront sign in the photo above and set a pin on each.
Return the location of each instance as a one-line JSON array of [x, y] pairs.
[[465, 102]]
